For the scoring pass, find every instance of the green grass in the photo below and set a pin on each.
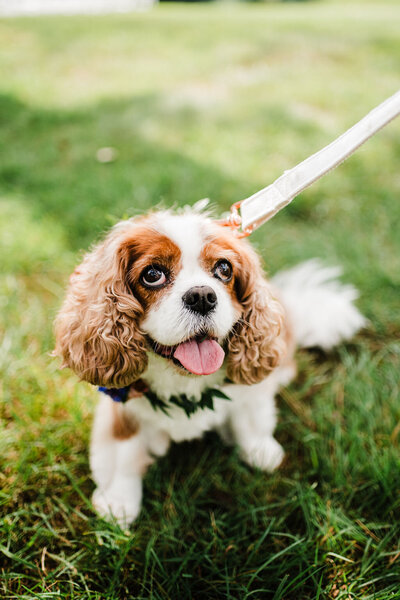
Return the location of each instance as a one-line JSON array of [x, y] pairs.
[[210, 100]]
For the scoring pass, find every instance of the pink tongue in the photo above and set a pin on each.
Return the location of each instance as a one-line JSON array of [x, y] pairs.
[[200, 358]]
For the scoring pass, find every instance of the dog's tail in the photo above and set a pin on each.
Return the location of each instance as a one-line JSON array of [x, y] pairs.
[[321, 309]]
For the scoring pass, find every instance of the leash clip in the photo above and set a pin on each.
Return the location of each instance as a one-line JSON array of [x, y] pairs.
[[234, 221]]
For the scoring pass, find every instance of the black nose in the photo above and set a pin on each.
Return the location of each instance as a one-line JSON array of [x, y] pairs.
[[200, 299]]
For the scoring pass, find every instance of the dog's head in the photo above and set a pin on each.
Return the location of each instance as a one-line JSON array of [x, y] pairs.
[[179, 285]]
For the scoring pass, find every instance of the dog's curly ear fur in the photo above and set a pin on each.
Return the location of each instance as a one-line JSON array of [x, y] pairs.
[[257, 343], [97, 332]]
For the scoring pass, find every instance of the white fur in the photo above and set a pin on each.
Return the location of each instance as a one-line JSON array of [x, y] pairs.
[[320, 308], [321, 312]]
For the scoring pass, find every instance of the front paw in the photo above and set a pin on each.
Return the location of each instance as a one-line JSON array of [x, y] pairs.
[[264, 453], [116, 505]]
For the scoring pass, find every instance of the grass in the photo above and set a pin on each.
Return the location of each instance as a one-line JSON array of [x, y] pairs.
[[207, 100]]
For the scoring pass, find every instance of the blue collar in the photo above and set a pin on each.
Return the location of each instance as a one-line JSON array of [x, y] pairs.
[[117, 394], [189, 404]]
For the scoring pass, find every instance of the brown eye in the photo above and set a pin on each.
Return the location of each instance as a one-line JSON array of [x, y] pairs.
[[223, 270], [153, 277]]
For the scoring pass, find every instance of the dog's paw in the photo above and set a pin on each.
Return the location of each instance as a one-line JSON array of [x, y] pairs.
[[158, 443], [265, 453], [121, 507]]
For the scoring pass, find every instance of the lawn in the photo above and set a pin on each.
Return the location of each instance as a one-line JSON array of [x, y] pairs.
[[201, 101]]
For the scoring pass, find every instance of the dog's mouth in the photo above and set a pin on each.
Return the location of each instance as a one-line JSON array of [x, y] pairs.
[[200, 355]]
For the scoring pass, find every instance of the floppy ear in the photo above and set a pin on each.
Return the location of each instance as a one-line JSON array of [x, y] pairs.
[[97, 332], [257, 343]]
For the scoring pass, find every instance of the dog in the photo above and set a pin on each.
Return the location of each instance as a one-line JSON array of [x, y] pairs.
[[173, 317]]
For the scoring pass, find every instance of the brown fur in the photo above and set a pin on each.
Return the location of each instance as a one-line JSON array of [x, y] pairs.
[[149, 247], [223, 247], [97, 332], [124, 425], [257, 343]]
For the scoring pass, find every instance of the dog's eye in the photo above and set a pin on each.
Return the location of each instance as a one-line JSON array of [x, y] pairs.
[[223, 270], [153, 276]]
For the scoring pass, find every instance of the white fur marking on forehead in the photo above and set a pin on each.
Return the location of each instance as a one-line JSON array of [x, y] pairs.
[[186, 231]]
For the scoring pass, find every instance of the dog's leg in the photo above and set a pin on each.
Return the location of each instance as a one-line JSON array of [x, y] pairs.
[[118, 460], [123, 497], [253, 420], [102, 445]]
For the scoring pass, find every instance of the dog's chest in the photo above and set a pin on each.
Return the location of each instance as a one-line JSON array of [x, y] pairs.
[[166, 382], [177, 425]]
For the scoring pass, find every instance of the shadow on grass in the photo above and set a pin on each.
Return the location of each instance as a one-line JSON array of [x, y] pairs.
[[48, 158]]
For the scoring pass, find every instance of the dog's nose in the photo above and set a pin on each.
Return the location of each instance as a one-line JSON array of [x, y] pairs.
[[201, 299]]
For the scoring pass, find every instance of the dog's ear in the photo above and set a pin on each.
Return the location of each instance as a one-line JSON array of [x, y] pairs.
[[256, 344], [97, 331]]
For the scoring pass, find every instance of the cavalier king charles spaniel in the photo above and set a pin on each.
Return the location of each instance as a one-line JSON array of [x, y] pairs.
[[174, 318]]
